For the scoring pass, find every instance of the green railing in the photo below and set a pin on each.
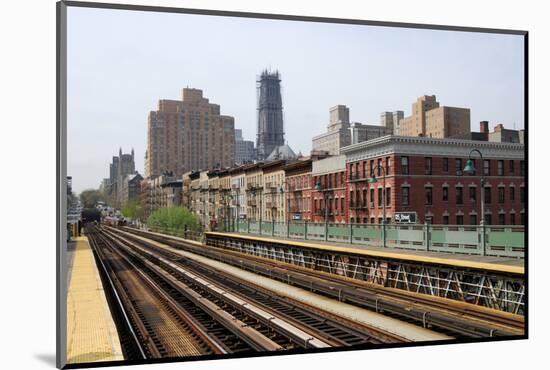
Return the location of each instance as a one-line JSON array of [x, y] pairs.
[[181, 233], [501, 241]]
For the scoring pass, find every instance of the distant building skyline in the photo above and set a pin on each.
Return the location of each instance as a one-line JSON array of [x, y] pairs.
[[118, 69]]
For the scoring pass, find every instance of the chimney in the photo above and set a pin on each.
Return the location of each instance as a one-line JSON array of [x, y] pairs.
[[499, 127], [484, 127]]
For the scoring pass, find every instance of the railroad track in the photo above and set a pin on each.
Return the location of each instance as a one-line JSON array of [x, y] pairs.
[[334, 330], [167, 322], [167, 300], [454, 318]]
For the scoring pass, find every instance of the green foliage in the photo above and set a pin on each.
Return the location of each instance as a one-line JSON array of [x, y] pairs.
[[132, 209], [90, 197], [174, 218]]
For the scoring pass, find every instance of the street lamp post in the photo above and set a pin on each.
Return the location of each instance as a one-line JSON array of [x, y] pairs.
[[318, 187], [470, 169], [374, 180]]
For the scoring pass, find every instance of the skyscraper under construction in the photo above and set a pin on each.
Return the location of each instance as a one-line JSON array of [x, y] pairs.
[[270, 114]]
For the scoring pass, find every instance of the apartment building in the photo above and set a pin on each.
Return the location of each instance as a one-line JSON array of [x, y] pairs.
[[188, 134], [425, 176]]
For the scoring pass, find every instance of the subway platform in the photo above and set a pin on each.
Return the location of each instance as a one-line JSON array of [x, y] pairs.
[[456, 259], [91, 331]]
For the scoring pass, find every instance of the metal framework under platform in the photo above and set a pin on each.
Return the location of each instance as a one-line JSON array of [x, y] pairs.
[[501, 290]]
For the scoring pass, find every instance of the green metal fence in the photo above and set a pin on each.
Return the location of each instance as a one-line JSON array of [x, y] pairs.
[[179, 232], [501, 241]]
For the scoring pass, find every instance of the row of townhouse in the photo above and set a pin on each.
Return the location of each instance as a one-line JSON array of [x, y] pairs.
[[414, 175]]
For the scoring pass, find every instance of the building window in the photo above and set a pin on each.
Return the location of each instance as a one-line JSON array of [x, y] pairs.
[[388, 197], [364, 197], [379, 167], [512, 218], [459, 198], [371, 198], [522, 168], [501, 194], [473, 219], [473, 194], [342, 204], [488, 219], [351, 198], [512, 193], [459, 220], [429, 193], [458, 166], [487, 195], [486, 167], [500, 168], [428, 165], [372, 220], [502, 219], [364, 169], [371, 168], [405, 196], [445, 220], [511, 168], [350, 172], [445, 194], [357, 170], [387, 166], [446, 166], [405, 165], [379, 197]]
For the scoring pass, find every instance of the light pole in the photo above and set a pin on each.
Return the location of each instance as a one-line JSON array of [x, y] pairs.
[[374, 180], [470, 169], [318, 187]]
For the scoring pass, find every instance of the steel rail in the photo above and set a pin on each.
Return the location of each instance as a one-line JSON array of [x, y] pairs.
[[337, 328], [254, 339], [127, 324], [457, 317], [275, 322]]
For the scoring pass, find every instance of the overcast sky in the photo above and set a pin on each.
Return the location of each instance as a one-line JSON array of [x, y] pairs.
[[120, 63]]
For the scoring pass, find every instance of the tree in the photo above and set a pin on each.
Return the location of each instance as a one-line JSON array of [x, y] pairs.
[[90, 197], [132, 209], [174, 219]]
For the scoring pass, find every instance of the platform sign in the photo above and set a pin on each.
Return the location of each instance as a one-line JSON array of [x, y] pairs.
[[405, 217]]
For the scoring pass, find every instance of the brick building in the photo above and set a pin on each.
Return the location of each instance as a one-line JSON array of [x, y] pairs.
[[298, 190], [273, 201], [430, 119], [188, 134], [254, 180], [330, 176], [425, 175]]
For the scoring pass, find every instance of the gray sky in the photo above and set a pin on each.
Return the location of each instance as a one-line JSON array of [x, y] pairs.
[[120, 63]]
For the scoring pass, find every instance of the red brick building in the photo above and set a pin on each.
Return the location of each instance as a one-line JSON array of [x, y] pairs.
[[298, 190], [425, 175], [330, 175]]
